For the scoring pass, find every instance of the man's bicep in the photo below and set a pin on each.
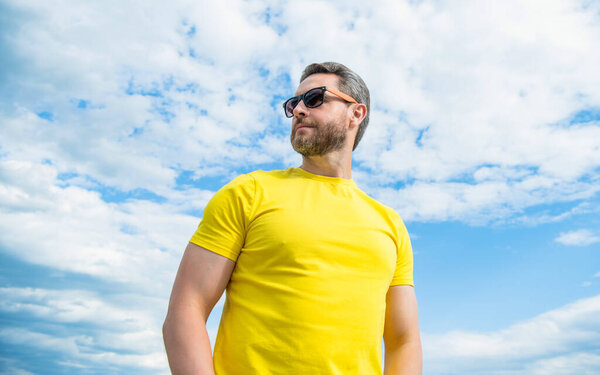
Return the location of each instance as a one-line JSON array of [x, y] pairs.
[[201, 279], [401, 316]]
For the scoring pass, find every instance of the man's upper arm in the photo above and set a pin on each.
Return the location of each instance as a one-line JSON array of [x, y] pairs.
[[401, 316], [201, 279]]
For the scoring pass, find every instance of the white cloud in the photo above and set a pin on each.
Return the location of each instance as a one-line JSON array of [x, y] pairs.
[[10, 366], [122, 138], [74, 306], [123, 331], [81, 349], [138, 243], [581, 237], [576, 364], [546, 344], [482, 202], [548, 217]]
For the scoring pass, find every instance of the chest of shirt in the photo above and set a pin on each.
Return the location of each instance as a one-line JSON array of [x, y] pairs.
[[315, 234]]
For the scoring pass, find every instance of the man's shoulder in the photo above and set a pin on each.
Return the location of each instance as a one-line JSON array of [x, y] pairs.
[[251, 179], [277, 173], [383, 208], [267, 177]]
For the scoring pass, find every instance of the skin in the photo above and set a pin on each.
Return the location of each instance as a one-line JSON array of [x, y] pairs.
[[203, 275], [201, 279]]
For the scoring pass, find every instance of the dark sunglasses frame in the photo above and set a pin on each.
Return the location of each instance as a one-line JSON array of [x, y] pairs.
[[290, 113]]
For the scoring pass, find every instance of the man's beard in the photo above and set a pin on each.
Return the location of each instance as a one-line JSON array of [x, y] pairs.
[[324, 138]]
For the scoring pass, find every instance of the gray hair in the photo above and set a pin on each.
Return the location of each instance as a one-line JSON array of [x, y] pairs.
[[349, 83]]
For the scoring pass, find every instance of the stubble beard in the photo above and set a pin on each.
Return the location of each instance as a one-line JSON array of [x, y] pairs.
[[324, 139]]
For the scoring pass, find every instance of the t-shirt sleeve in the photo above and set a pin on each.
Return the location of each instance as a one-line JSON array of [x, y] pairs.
[[222, 229], [403, 275]]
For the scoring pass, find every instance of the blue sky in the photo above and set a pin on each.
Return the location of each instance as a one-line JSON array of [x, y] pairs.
[[119, 121]]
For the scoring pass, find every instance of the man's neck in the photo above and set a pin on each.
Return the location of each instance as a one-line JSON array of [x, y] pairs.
[[334, 164]]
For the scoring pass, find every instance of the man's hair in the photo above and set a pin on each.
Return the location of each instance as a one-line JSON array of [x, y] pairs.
[[349, 83]]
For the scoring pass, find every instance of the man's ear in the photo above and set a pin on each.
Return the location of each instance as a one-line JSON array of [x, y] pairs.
[[358, 113]]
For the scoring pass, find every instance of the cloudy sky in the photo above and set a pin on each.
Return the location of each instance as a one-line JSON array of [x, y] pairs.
[[120, 119]]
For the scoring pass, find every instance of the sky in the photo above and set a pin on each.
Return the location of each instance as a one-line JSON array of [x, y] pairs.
[[120, 119]]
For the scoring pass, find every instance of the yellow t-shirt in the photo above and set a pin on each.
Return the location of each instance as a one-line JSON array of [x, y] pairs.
[[315, 257]]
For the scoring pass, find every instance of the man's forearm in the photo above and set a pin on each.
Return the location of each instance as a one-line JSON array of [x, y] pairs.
[[187, 343], [404, 359]]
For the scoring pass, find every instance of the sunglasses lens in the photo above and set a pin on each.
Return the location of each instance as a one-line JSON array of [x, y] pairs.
[[290, 105], [313, 98]]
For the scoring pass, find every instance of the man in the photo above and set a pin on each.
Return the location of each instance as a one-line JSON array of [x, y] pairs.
[[316, 271]]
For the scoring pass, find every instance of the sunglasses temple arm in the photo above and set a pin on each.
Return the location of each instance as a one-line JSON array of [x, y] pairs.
[[347, 98]]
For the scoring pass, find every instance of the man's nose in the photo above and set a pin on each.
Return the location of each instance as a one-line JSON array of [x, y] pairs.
[[300, 110]]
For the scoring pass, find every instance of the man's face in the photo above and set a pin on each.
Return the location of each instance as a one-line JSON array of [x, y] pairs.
[[317, 131]]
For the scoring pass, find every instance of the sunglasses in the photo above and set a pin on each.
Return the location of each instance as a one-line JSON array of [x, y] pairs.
[[312, 99]]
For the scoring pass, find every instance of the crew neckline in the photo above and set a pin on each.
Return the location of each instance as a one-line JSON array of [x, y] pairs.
[[312, 176]]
